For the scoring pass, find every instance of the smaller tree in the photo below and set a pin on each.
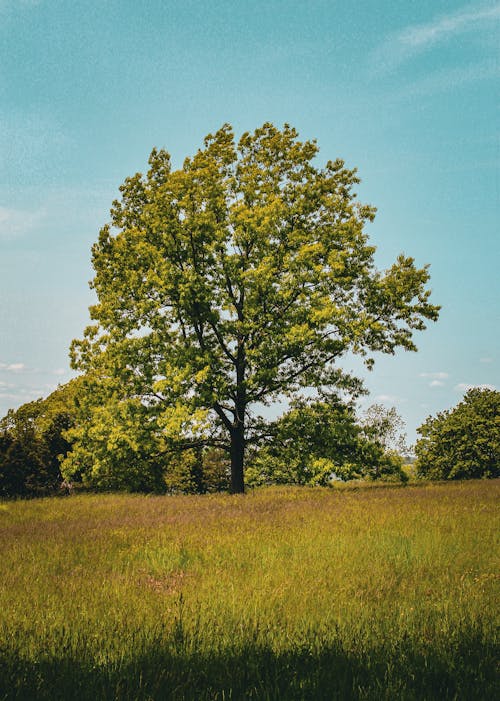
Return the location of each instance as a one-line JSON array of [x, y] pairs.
[[197, 470], [386, 427], [464, 442], [315, 442], [33, 441]]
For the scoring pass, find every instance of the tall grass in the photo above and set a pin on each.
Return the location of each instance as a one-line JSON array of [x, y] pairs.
[[281, 594]]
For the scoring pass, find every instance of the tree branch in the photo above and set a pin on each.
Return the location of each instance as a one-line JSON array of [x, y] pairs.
[[222, 415], [222, 343], [292, 376]]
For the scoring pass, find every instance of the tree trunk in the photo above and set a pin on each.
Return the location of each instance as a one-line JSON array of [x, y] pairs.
[[237, 458], [238, 428]]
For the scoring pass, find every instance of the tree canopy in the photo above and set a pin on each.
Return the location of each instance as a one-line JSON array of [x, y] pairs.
[[230, 283], [464, 442], [317, 441], [33, 443], [386, 427]]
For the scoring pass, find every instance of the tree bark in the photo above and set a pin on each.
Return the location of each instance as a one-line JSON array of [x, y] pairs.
[[237, 453], [237, 431]]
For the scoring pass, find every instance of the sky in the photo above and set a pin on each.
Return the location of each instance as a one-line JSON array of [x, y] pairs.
[[408, 92]]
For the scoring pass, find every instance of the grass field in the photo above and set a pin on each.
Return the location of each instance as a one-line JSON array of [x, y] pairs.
[[382, 593]]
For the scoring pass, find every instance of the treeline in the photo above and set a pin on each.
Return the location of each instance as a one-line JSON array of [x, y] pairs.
[[311, 444], [314, 443], [33, 444]]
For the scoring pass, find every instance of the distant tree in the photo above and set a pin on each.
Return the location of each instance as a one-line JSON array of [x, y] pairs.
[[464, 442], [25, 467], [386, 427], [196, 471], [315, 442], [33, 442], [216, 470], [13, 472], [240, 279]]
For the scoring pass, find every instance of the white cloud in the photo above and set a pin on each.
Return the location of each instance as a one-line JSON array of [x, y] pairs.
[[465, 387], [485, 360], [414, 39], [16, 367], [22, 395], [59, 371], [435, 375], [436, 383], [10, 395], [13, 367], [424, 35], [387, 398], [451, 78], [17, 222]]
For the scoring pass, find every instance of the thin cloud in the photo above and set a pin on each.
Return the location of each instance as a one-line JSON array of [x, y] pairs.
[[17, 222], [436, 383], [485, 360], [22, 395], [416, 39], [13, 367], [435, 375], [465, 387], [450, 79], [425, 35], [11, 395], [387, 398]]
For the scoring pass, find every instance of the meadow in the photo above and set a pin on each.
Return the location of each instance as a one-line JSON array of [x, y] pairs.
[[292, 593]]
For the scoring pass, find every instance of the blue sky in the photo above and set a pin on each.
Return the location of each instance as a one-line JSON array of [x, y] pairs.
[[408, 92]]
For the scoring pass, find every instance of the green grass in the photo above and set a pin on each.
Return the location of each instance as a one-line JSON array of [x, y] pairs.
[[281, 594]]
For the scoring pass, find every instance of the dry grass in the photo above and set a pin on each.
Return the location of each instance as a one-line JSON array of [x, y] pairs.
[[281, 594]]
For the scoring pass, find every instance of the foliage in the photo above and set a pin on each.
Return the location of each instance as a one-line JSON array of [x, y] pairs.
[[116, 448], [464, 442], [316, 442], [119, 447], [240, 279], [301, 594], [33, 441], [197, 471], [386, 427]]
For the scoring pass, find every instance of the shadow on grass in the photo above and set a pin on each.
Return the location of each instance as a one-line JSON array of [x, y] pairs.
[[467, 671]]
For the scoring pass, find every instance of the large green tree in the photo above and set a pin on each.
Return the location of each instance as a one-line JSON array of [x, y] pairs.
[[464, 442], [240, 278]]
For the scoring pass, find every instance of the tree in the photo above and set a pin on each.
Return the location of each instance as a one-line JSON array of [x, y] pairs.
[[33, 442], [233, 282], [386, 427], [315, 442], [464, 442], [196, 471]]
